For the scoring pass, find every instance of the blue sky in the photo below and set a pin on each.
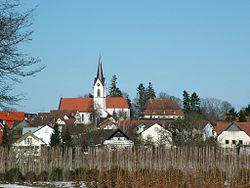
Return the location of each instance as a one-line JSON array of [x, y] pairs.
[[201, 46]]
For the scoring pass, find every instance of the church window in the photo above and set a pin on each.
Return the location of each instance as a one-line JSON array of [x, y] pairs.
[[98, 93]]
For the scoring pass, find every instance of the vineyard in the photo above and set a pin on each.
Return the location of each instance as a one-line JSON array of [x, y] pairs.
[[137, 167]]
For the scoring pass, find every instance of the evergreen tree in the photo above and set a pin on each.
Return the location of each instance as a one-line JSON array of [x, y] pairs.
[[231, 115], [195, 103], [247, 110], [242, 116], [67, 140], [141, 99], [55, 139], [186, 102], [6, 137], [114, 91], [150, 92]]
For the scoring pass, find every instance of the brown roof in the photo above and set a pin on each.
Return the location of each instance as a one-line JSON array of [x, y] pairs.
[[162, 107], [86, 104], [222, 126]]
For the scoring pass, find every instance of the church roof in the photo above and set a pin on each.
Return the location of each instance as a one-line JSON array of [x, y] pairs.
[[116, 102], [99, 74], [79, 104], [86, 104]]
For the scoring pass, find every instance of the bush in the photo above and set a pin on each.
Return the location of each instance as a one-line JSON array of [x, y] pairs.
[[2, 177], [30, 177], [43, 176], [14, 175], [56, 174]]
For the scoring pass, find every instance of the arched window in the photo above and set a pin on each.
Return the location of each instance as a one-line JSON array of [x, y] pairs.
[[98, 93]]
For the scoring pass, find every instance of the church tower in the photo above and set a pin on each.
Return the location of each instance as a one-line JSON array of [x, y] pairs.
[[100, 91]]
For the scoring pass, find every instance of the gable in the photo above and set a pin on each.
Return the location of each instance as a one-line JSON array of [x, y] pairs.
[[233, 127], [118, 133]]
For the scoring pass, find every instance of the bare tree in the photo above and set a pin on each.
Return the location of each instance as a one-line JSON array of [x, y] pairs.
[[215, 109], [14, 64]]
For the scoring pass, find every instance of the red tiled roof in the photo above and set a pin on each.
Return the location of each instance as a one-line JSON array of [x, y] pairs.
[[116, 102], [80, 104], [10, 117], [222, 126], [162, 107], [86, 104], [245, 126]]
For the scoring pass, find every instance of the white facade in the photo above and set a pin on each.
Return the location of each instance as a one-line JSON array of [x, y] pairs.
[[229, 139], [86, 117], [158, 134], [162, 116], [208, 131], [29, 144], [44, 133]]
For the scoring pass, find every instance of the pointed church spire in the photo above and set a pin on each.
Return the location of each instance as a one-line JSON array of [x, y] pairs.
[[99, 74]]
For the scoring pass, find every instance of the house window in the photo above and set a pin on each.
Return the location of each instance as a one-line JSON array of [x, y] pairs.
[[82, 117], [233, 141], [227, 141], [28, 141], [240, 142], [156, 129], [98, 93]]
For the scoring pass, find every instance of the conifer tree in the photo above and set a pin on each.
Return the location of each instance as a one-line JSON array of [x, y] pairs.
[[67, 140], [141, 97], [150, 92], [186, 101], [195, 103], [55, 139], [6, 137], [242, 116], [114, 91]]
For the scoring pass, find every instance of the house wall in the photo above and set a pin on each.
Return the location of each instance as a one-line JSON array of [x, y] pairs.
[[233, 135], [85, 117], [208, 131], [35, 142], [45, 134], [156, 132], [155, 116]]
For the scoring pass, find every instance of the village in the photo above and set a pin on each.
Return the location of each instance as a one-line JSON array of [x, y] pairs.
[[124, 94], [103, 120]]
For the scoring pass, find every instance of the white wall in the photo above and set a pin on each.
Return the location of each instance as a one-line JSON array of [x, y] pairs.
[[35, 142], [156, 132], [85, 117], [162, 116], [44, 133], [233, 135]]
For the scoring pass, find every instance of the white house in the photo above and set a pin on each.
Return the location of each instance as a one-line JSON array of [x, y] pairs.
[[233, 134], [100, 106], [158, 135], [44, 133], [118, 140], [208, 131], [29, 144]]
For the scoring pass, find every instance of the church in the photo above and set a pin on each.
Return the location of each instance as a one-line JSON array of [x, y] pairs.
[[100, 106]]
